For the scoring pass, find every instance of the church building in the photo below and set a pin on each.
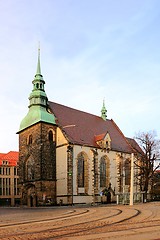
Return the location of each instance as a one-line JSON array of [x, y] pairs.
[[67, 156]]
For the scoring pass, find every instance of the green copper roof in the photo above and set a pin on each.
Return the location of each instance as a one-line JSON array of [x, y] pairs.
[[38, 102], [104, 111], [36, 115]]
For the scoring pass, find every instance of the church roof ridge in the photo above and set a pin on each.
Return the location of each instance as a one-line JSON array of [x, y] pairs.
[[78, 110], [84, 126]]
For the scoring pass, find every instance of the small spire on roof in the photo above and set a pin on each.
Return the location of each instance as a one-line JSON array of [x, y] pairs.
[[104, 111]]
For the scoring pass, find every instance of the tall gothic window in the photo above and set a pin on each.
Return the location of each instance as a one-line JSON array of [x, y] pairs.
[[80, 170], [103, 172], [127, 169]]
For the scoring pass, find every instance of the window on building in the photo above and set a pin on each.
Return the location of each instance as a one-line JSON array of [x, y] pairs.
[[15, 186], [4, 170], [8, 171], [15, 171], [30, 140], [103, 172], [80, 170], [127, 169], [4, 186], [7, 186], [0, 186], [5, 162], [50, 136]]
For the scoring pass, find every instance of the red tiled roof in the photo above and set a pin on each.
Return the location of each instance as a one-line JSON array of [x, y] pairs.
[[1, 155], [100, 137], [135, 145], [11, 157], [81, 128]]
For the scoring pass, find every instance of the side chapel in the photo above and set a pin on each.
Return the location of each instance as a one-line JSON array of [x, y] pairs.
[[69, 156]]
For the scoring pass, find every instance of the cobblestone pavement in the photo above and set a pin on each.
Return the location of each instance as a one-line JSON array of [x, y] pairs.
[[140, 221]]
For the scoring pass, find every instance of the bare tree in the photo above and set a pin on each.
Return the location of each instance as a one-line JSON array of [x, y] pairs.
[[150, 146]]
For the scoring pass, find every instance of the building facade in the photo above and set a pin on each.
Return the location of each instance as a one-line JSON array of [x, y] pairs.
[[70, 156], [9, 191]]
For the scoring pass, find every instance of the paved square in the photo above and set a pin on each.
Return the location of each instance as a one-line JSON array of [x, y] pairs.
[[140, 221]]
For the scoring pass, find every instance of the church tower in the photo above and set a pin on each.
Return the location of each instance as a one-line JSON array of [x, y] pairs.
[[37, 148]]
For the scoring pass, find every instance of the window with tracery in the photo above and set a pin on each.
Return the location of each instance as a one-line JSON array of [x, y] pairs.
[[127, 169], [80, 170], [103, 172]]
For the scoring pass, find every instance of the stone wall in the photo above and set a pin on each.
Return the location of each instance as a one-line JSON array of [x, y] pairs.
[[37, 164]]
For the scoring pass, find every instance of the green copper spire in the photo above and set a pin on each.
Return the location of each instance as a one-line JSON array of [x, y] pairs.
[[38, 102], [104, 111], [38, 64]]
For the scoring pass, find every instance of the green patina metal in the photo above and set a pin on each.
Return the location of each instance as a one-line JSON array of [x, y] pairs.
[[38, 102], [104, 111]]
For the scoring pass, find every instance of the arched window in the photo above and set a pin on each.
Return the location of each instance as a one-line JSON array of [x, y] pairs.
[[127, 169], [103, 172], [30, 139], [30, 169], [80, 170], [50, 136]]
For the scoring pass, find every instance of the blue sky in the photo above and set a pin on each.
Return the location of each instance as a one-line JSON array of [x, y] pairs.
[[90, 50]]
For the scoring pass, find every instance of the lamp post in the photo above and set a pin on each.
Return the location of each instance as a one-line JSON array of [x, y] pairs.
[[132, 179]]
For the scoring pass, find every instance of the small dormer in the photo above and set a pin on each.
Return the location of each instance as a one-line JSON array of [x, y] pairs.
[[104, 141], [4, 162]]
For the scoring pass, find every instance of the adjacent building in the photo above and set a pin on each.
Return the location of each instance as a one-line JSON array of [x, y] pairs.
[[9, 191], [68, 156]]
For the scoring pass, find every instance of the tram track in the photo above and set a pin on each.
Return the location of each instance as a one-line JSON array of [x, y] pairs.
[[88, 227], [42, 220], [71, 229], [101, 222], [71, 214]]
